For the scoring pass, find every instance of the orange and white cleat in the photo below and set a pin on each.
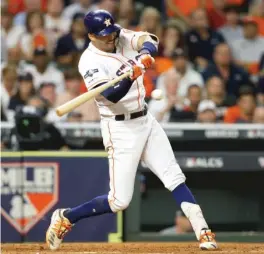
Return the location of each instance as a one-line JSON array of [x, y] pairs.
[[58, 228], [207, 240]]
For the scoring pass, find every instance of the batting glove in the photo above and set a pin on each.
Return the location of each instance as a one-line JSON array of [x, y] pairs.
[[146, 60], [135, 72]]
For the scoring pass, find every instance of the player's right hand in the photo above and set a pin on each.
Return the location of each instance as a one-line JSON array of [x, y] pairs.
[[135, 72], [146, 60]]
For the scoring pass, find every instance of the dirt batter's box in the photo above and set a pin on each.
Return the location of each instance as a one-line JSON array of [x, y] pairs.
[[146, 248]]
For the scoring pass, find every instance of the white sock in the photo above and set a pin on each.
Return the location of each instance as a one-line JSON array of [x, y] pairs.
[[194, 213]]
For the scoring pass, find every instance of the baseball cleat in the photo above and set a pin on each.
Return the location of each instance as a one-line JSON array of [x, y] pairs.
[[58, 228], [207, 240]]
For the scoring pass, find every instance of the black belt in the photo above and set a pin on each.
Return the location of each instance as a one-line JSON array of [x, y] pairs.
[[132, 115]]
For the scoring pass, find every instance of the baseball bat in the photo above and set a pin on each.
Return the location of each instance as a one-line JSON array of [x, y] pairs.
[[76, 102]]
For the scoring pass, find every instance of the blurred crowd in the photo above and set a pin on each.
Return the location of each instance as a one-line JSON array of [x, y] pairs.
[[210, 63]]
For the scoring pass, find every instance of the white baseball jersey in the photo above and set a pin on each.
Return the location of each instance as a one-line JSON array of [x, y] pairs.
[[130, 141], [97, 67]]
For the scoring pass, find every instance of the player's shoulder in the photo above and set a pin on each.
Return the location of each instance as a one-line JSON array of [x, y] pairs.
[[87, 59]]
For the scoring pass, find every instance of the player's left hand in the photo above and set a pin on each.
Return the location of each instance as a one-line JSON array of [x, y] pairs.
[[135, 72], [146, 60]]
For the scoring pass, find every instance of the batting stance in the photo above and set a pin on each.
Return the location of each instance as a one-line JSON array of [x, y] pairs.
[[130, 133]]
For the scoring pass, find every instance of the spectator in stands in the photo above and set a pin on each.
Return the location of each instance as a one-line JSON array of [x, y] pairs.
[[172, 38], [8, 86], [79, 6], [70, 46], [215, 91], [216, 14], [182, 225], [232, 30], [25, 89], [244, 110], [10, 32], [30, 6], [188, 75], [161, 109], [89, 109], [34, 36], [56, 25], [187, 111], [206, 112], [201, 40], [108, 5], [150, 21], [183, 9], [43, 71], [248, 50], [258, 116], [126, 14], [47, 90], [233, 75], [14, 58]]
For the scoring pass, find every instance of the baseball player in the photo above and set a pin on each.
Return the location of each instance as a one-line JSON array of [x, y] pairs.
[[130, 133]]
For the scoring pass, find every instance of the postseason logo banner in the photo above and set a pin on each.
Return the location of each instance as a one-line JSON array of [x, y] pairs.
[[28, 192]]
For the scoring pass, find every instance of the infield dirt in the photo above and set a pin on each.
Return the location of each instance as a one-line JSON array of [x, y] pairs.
[[120, 248]]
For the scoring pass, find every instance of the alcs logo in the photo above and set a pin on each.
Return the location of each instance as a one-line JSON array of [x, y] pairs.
[[203, 162], [28, 192]]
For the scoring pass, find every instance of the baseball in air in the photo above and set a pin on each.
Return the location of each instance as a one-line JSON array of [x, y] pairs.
[[157, 94]]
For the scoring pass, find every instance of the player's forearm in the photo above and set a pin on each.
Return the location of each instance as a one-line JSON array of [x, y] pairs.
[[147, 45], [117, 92]]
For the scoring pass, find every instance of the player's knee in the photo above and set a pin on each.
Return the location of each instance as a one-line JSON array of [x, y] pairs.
[[118, 205]]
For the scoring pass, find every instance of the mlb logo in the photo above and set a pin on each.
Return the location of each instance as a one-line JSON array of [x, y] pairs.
[[28, 192]]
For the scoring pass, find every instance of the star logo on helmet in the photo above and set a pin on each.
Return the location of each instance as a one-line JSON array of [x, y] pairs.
[[107, 22]]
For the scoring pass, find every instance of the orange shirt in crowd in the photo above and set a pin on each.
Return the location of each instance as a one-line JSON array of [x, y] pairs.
[[16, 6], [233, 114], [187, 7], [260, 22], [162, 64], [216, 18], [40, 40]]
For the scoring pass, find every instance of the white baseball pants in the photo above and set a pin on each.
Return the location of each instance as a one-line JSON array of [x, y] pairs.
[[127, 142]]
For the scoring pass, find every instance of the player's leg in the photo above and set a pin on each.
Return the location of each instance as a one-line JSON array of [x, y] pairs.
[[159, 157], [124, 143]]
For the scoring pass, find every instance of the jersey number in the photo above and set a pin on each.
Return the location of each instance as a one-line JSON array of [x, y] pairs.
[[120, 71]]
